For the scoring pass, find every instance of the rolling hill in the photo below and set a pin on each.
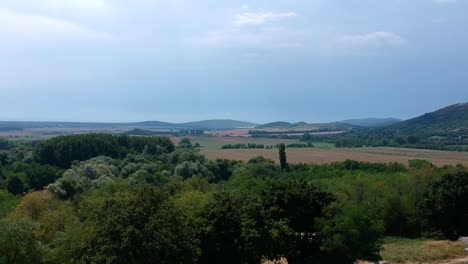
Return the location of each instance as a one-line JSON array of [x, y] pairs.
[[205, 124], [452, 118], [373, 122], [303, 126]]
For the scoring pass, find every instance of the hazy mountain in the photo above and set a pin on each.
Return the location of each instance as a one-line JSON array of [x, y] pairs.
[[281, 125], [334, 126], [219, 124], [205, 124], [373, 122]]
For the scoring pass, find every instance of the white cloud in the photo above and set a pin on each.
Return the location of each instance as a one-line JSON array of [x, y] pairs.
[[261, 36], [260, 18], [14, 24], [373, 38]]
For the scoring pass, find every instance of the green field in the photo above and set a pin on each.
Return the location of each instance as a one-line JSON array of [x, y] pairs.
[[210, 142]]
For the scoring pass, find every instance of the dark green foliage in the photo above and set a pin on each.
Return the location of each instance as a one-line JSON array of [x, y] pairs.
[[62, 151], [282, 157], [185, 143], [221, 169], [15, 185], [5, 144], [367, 166], [243, 146], [349, 233], [297, 205], [141, 227], [38, 176], [233, 230], [400, 217], [446, 205], [17, 243]]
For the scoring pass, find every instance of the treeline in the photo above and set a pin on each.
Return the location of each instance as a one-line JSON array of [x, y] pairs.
[[178, 207], [261, 146], [261, 133], [62, 151], [383, 137], [6, 144], [243, 146]]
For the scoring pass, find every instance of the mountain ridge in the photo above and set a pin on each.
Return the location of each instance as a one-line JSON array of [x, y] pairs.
[[203, 124], [447, 119]]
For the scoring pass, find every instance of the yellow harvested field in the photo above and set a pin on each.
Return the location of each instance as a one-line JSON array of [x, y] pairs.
[[318, 155]]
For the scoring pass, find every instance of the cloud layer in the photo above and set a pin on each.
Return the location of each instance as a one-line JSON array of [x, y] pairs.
[[373, 38], [260, 18], [14, 24]]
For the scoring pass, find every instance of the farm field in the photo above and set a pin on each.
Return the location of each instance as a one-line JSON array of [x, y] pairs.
[[209, 142], [323, 155]]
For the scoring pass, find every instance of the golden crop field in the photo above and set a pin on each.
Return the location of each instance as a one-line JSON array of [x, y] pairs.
[[321, 155]]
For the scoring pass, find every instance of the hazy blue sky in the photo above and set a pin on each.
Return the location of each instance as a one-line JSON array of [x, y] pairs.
[[258, 60]]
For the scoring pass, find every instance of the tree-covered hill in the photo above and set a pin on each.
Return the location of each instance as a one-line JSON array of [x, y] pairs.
[[453, 118], [373, 122]]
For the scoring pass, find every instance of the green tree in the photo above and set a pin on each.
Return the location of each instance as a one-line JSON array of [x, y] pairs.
[[446, 205], [295, 206], [17, 242], [282, 157], [233, 230], [141, 227], [185, 143], [15, 185], [348, 233]]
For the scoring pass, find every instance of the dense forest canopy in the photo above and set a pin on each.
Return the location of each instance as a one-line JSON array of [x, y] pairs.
[[120, 199]]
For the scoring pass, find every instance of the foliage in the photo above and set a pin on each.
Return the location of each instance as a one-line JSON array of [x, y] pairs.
[[140, 227], [8, 202], [349, 233], [151, 204], [282, 157], [15, 185], [62, 151], [17, 242], [446, 205]]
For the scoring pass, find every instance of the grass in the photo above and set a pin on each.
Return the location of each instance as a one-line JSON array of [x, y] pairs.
[[402, 250]]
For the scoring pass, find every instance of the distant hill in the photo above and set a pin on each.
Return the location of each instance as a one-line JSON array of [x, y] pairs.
[[453, 118], [373, 122], [302, 126], [218, 124], [206, 124], [141, 132], [281, 124]]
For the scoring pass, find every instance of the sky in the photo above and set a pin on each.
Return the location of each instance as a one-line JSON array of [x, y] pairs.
[[257, 60]]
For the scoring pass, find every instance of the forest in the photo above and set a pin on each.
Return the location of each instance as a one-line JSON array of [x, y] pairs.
[[119, 199]]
